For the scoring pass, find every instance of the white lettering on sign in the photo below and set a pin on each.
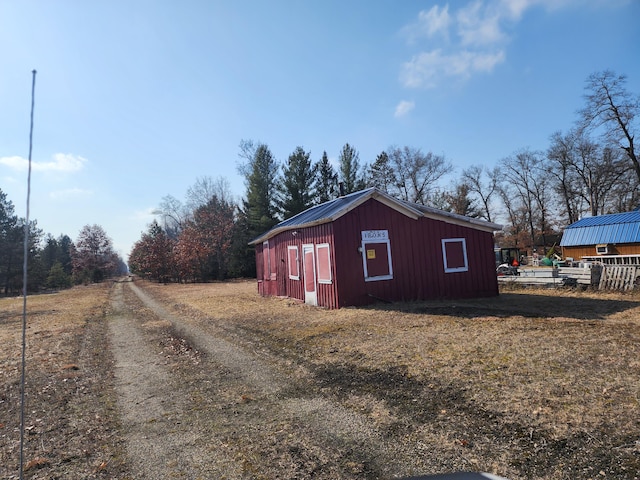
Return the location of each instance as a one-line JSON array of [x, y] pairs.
[[368, 235]]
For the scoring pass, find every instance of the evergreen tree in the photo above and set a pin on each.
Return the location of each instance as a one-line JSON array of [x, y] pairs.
[[297, 188], [258, 212], [57, 278], [54, 255], [350, 175], [381, 174], [259, 206], [12, 231], [326, 180], [459, 201], [242, 261], [10, 248], [65, 245]]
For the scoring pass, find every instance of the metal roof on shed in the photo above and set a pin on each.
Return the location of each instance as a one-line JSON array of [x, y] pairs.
[[333, 209], [616, 228]]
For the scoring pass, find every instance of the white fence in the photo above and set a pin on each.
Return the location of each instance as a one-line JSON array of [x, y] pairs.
[[597, 276]]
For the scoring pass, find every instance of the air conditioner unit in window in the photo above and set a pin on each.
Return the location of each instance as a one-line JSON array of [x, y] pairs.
[[602, 249]]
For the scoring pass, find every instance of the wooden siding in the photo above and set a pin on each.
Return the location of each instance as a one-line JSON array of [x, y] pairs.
[[590, 250], [283, 285], [416, 252]]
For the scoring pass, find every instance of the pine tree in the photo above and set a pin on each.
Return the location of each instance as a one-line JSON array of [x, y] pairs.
[[350, 175], [10, 247], [326, 180], [260, 203], [57, 278], [259, 212], [381, 174], [297, 187]]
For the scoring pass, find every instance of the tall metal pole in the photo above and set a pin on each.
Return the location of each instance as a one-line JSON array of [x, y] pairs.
[[24, 284]]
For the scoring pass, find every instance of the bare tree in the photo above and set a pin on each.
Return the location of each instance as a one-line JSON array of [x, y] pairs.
[[561, 157], [206, 188], [526, 189], [625, 196], [611, 107], [93, 256], [483, 183], [173, 215], [586, 174], [247, 152], [417, 173], [515, 231], [600, 170]]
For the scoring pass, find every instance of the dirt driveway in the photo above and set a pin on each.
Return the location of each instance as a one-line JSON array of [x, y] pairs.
[[195, 404]]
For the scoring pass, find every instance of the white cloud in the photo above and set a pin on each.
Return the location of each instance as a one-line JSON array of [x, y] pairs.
[[515, 8], [479, 25], [469, 40], [14, 163], [61, 162], [403, 108], [430, 23], [427, 68], [70, 193]]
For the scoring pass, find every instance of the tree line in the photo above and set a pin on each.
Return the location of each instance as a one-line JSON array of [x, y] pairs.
[[52, 263], [590, 169]]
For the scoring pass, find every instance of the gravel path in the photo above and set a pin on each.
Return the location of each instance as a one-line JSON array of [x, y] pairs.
[[195, 405], [159, 443]]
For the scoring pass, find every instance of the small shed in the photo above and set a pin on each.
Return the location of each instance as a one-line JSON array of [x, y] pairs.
[[369, 246], [603, 236]]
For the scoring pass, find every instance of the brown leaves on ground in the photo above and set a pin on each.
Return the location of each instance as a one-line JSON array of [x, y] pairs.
[[36, 463]]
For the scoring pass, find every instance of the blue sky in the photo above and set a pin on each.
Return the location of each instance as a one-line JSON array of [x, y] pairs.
[[137, 99]]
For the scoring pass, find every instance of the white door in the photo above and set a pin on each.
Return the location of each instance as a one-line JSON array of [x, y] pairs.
[[309, 275]]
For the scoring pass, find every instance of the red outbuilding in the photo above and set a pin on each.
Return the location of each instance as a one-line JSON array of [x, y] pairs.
[[369, 246]]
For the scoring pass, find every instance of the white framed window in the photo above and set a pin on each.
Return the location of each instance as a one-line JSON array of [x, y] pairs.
[[323, 263], [454, 255], [294, 262], [376, 255]]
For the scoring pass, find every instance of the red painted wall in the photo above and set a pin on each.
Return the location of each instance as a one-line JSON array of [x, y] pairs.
[[416, 252]]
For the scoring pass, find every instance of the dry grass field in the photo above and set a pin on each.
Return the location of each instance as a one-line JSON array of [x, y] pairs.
[[531, 384], [69, 412]]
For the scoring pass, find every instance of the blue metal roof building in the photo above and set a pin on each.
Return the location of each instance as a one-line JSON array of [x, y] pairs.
[[615, 229]]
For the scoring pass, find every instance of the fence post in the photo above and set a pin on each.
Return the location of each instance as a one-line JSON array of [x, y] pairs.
[[596, 275]]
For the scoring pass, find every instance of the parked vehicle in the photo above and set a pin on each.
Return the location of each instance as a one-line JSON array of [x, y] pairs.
[[506, 269], [510, 256]]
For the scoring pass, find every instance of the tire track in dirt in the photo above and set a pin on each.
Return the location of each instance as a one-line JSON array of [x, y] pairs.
[[250, 368], [279, 401], [158, 443]]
